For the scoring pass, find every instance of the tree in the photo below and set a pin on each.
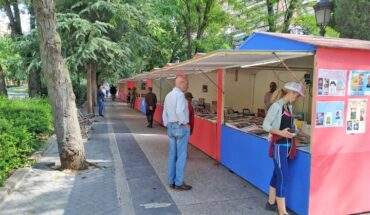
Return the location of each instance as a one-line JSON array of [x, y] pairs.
[[29, 64], [189, 22], [270, 15], [8, 62], [352, 19], [67, 129], [87, 46], [12, 11]]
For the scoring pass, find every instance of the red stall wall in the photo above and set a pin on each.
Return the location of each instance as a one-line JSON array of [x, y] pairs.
[[122, 88], [204, 137], [158, 114], [148, 83], [137, 103], [131, 84], [340, 165]]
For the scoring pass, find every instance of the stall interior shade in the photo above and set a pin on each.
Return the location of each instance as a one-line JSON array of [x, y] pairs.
[[253, 83]]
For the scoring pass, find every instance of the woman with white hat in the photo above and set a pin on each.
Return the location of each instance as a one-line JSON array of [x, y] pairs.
[[279, 123]]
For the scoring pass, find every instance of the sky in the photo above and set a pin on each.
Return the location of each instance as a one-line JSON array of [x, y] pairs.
[[25, 20]]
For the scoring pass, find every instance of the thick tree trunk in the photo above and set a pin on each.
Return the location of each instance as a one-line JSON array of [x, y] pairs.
[[3, 91], [67, 128], [34, 83], [94, 86], [89, 91]]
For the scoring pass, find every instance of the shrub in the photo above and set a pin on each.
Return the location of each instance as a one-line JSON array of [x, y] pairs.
[[21, 123]]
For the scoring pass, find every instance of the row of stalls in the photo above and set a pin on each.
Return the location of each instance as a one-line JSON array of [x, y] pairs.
[[331, 172]]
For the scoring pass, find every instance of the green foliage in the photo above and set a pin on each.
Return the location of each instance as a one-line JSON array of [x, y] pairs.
[[22, 122], [114, 35], [28, 48], [254, 15], [206, 19], [9, 58], [352, 18], [85, 41]]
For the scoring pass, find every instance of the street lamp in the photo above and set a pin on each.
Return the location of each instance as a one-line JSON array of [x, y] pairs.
[[323, 10]]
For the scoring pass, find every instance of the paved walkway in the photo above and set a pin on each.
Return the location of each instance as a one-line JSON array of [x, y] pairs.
[[132, 179]]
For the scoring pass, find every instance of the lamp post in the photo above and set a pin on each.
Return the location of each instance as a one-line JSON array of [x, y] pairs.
[[323, 10]]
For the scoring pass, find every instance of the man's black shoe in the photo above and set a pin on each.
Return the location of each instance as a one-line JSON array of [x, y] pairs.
[[172, 186], [183, 187]]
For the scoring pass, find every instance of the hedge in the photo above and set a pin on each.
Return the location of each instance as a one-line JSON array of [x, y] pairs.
[[23, 124]]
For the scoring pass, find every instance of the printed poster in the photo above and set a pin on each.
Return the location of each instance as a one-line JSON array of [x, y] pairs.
[[332, 82], [359, 83], [356, 116], [329, 114]]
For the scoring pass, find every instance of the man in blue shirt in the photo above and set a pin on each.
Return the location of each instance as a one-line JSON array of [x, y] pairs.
[[176, 119]]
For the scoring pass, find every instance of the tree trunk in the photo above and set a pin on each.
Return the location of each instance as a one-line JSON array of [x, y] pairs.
[[17, 17], [189, 31], [14, 18], [94, 86], [34, 83], [34, 78], [203, 20], [67, 128], [89, 91], [289, 15], [271, 15], [3, 91]]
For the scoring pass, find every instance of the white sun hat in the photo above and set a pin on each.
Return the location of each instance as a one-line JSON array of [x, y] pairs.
[[296, 87]]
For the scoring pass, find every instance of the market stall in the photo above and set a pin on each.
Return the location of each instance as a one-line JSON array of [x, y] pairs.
[[244, 144], [205, 80], [331, 172], [204, 89], [331, 175], [123, 86]]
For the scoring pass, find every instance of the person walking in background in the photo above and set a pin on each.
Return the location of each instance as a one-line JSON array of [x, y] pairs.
[[268, 95], [100, 98], [151, 104], [133, 96], [176, 119], [190, 97], [107, 91], [128, 98], [113, 92], [279, 123]]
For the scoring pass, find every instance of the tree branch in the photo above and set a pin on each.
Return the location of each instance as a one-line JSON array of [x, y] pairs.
[[289, 15]]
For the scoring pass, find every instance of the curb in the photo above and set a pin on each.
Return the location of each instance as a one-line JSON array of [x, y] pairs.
[[17, 177]]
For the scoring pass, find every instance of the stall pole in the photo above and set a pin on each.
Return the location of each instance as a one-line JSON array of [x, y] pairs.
[[220, 110]]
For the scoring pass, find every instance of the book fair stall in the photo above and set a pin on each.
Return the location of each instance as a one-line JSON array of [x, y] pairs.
[[330, 174]]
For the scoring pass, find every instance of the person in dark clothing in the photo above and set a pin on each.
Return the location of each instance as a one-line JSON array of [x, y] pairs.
[[133, 96], [151, 104], [190, 97], [113, 92], [100, 98], [128, 97]]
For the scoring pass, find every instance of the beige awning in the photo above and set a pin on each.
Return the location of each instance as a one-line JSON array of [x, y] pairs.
[[222, 60]]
